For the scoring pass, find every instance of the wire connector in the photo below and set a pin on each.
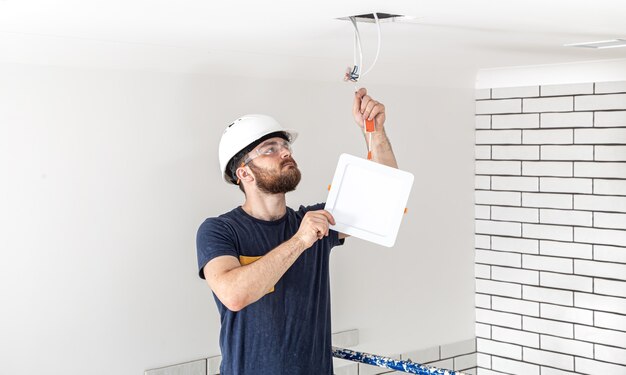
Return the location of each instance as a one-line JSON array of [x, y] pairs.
[[352, 74]]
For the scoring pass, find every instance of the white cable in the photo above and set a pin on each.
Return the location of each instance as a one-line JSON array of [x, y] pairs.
[[377, 49], [358, 43]]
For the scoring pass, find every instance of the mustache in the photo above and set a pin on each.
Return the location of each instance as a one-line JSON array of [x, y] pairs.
[[287, 161]]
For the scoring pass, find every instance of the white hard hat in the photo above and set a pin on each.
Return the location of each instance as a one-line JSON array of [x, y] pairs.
[[243, 132]]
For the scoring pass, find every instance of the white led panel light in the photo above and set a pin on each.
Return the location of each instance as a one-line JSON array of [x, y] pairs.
[[368, 199]]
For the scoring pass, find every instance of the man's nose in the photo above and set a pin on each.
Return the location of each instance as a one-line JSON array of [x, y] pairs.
[[285, 152]]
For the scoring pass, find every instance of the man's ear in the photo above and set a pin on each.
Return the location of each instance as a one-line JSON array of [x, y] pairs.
[[243, 174]]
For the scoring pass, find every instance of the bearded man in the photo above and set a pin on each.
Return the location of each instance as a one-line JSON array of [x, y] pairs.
[[267, 264]]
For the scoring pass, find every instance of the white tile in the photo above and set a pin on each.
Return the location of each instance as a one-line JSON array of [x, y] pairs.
[[482, 242], [489, 167], [464, 362], [566, 185], [599, 203], [482, 182], [515, 152], [566, 217], [600, 236], [514, 367], [611, 287], [543, 263], [608, 320], [610, 153], [610, 87], [578, 152], [591, 367], [482, 94], [501, 198], [609, 354], [498, 288], [516, 121], [494, 137], [559, 104], [458, 348], [423, 355], [612, 118], [548, 232], [482, 152], [502, 228], [483, 330], [515, 92], [598, 136], [608, 220], [190, 368], [547, 200], [599, 102], [561, 297], [518, 245], [515, 183], [484, 107], [514, 336], [600, 335], [565, 249], [601, 170], [570, 282], [499, 348], [549, 327], [566, 314], [484, 371], [567, 346], [600, 269], [547, 168], [515, 275], [345, 339], [445, 364], [213, 365], [609, 253], [482, 212], [482, 300], [482, 271], [567, 89], [528, 215], [553, 371], [548, 136], [601, 303], [515, 306], [483, 360], [609, 187], [345, 367], [541, 357], [567, 120], [483, 122]]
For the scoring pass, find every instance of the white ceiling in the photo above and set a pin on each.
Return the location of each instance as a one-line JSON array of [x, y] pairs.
[[303, 40]]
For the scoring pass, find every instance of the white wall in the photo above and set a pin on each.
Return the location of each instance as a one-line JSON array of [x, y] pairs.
[[106, 176], [552, 74]]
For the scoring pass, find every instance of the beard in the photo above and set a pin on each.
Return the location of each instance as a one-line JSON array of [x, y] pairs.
[[278, 181]]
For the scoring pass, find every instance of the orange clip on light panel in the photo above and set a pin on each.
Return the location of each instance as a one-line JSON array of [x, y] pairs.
[[369, 126]]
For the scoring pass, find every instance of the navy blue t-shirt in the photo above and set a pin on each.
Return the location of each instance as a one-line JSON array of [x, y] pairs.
[[287, 331]]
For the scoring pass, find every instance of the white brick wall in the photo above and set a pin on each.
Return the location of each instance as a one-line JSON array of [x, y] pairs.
[[552, 296]]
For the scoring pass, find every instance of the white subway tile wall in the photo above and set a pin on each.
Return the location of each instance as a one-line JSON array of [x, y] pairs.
[[551, 225]]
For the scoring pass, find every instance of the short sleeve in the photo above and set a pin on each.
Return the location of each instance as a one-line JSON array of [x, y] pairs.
[[214, 239]]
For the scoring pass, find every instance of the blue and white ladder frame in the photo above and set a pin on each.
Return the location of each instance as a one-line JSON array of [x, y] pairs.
[[390, 363]]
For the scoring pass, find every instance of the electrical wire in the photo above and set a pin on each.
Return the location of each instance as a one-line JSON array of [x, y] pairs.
[[356, 72], [378, 48]]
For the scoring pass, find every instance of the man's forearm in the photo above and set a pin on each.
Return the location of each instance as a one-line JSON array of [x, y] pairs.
[[244, 285], [382, 152]]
